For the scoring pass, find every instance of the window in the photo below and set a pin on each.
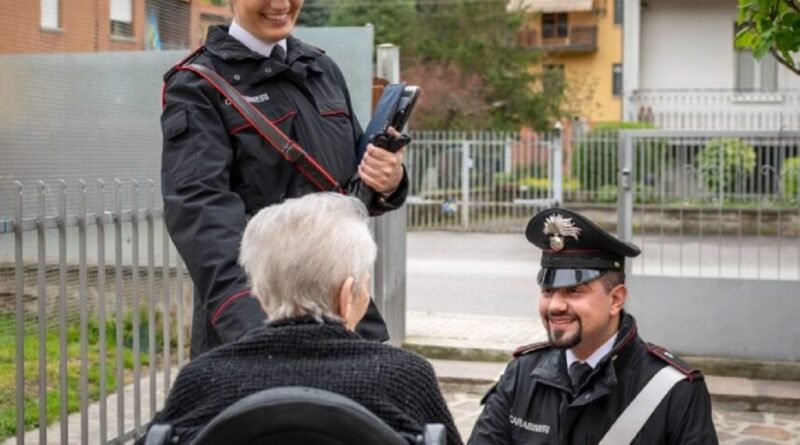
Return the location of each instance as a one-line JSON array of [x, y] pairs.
[[616, 79], [755, 75], [619, 11], [554, 25], [49, 14], [121, 18]]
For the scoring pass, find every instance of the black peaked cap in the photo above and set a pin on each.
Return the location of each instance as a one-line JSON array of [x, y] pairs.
[[571, 241]]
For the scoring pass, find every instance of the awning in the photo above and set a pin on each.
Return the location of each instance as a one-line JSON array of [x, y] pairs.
[[549, 5]]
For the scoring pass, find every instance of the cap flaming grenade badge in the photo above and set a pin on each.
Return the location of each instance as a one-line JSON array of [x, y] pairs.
[[558, 227]]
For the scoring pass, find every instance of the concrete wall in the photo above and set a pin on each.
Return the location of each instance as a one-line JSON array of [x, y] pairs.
[[748, 319], [688, 44]]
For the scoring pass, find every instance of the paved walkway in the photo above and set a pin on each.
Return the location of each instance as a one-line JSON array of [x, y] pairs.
[[464, 382], [733, 427]]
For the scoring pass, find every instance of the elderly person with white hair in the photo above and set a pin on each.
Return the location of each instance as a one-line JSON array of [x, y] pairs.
[[315, 290]]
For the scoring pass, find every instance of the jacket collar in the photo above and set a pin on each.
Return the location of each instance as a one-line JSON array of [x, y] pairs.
[[552, 369], [220, 43], [303, 320]]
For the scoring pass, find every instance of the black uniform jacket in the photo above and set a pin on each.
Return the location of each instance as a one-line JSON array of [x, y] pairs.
[[533, 403], [217, 171]]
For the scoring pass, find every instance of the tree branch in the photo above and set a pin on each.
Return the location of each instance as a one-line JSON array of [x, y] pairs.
[[779, 58], [794, 4]]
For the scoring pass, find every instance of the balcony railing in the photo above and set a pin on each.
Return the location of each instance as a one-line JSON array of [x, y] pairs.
[[716, 109], [579, 39]]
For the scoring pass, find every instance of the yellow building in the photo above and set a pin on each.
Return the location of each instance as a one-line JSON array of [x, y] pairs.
[[583, 40]]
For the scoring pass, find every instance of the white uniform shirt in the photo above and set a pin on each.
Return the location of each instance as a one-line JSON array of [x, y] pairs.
[[252, 42], [596, 356]]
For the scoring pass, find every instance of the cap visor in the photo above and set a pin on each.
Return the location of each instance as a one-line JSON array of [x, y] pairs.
[[549, 277]]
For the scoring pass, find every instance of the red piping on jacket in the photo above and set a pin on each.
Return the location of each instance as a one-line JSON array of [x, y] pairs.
[[334, 113], [265, 136], [228, 301]]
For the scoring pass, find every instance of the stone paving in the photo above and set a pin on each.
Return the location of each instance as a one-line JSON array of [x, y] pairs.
[[733, 427]]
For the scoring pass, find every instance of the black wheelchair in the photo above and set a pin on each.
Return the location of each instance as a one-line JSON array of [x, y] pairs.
[[299, 416]]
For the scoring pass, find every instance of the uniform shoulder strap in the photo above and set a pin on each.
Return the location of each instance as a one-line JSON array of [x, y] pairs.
[[673, 361], [631, 421], [527, 349], [186, 60], [171, 72]]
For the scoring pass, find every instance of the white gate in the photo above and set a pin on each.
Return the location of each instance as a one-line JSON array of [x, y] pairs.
[[717, 215]]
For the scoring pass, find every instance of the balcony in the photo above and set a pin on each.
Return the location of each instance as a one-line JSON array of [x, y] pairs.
[[581, 38], [716, 109]]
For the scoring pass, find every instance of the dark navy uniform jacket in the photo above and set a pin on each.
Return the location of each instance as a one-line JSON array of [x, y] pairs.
[[217, 171], [533, 403]]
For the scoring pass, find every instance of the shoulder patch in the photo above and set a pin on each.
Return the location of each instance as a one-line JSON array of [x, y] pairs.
[[527, 349], [184, 61], [673, 360]]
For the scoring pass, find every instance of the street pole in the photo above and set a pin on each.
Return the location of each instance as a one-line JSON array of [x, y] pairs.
[[557, 191], [390, 232]]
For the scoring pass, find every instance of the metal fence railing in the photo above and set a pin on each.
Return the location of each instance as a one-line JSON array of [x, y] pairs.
[[477, 180], [717, 109], [713, 204], [93, 301], [731, 197]]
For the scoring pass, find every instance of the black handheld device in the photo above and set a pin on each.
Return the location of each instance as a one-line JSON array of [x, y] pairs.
[[407, 101], [398, 121], [393, 110]]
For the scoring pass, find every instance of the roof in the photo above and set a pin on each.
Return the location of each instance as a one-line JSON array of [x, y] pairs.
[[550, 5]]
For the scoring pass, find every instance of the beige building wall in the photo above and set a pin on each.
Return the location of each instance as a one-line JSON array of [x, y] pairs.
[[589, 73]]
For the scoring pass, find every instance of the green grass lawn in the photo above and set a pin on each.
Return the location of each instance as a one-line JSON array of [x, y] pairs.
[[8, 397]]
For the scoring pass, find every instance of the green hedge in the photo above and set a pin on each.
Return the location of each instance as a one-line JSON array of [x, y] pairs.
[[594, 161], [790, 178], [724, 163]]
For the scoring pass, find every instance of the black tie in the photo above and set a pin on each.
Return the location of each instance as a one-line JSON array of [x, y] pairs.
[[578, 371], [278, 53]]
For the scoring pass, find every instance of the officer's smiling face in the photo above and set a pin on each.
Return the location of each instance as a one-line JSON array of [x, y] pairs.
[[581, 317], [268, 20]]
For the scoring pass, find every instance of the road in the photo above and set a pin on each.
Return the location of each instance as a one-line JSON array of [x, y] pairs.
[[457, 272]]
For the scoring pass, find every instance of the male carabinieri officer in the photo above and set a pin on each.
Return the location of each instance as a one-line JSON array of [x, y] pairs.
[[595, 381]]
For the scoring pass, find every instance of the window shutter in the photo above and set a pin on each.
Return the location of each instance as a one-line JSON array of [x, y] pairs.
[[122, 11]]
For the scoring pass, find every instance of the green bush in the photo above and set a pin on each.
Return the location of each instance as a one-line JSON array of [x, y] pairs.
[[642, 194], [594, 161], [543, 184], [520, 171], [790, 178], [724, 162]]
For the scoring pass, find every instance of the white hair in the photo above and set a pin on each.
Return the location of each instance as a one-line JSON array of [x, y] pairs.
[[298, 254]]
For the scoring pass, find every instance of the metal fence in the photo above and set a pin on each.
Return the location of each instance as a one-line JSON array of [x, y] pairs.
[[720, 204], [478, 180], [94, 299], [717, 215], [716, 110], [707, 204]]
